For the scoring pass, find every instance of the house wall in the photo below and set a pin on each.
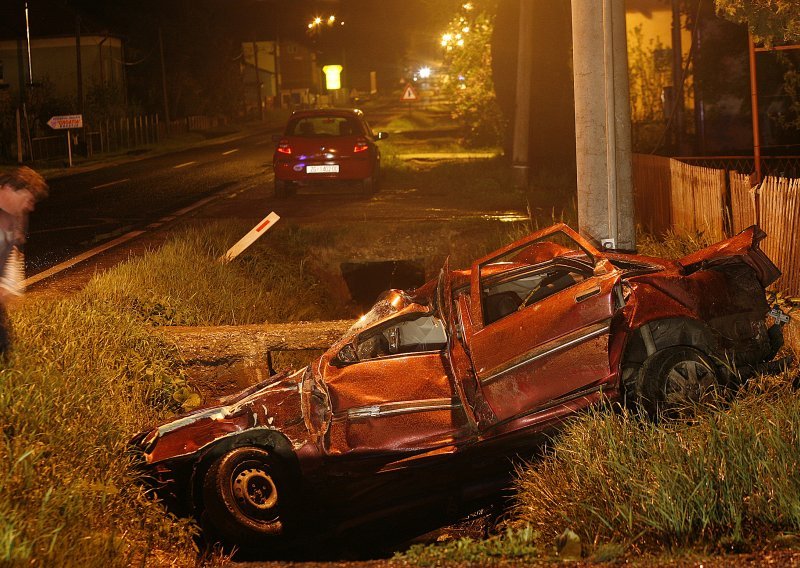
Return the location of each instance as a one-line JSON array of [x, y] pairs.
[[54, 61]]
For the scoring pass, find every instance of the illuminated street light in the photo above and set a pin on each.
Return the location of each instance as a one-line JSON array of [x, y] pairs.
[[424, 72]]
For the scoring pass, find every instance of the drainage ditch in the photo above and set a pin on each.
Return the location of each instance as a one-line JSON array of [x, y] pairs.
[[367, 280]]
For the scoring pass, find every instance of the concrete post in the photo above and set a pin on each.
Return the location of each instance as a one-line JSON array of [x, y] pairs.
[[522, 107], [603, 123]]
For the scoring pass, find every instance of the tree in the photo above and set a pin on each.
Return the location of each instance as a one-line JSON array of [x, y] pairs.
[[770, 21], [468, 57]]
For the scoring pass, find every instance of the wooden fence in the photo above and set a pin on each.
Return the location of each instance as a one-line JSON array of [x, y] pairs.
[[778, 211], [672, 195]]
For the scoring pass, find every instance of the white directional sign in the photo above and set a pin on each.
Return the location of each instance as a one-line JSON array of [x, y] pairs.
[[66, 121], [409, 94]]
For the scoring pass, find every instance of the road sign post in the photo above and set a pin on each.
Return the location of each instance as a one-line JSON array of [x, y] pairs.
[[409, 95], [67, 122], [262, 227]]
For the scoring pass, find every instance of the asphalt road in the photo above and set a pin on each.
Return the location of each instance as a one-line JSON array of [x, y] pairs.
[[86, 209]]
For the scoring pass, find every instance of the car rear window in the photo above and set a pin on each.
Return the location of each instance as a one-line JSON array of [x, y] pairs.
[[313, 126]]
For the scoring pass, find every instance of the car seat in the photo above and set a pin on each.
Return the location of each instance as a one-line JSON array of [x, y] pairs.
[[497, 306]]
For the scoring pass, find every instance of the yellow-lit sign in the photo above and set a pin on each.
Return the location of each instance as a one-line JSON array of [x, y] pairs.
[[333, 77]]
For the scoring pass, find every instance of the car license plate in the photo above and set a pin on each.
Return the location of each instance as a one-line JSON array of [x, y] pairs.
[[331, 169]]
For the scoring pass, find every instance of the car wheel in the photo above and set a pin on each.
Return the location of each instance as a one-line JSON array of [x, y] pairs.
[[368, 185], [243, 493], [674, 381], [283, 188]]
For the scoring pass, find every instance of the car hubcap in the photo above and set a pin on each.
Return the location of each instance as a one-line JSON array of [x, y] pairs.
[[254, 488], [689, 382]]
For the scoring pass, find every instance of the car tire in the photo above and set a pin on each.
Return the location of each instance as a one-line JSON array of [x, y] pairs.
[[368, 185], [283, 188], [674, 381], [244, 494]]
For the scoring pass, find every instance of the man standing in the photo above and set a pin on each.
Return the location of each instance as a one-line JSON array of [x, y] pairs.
[[20, 189]]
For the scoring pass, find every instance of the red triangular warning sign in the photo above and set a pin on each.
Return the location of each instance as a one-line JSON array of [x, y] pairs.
[[409, 94]]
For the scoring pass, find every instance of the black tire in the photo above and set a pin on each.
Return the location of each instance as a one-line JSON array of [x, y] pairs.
[[368, 185], [284, 188], [244, 494], [674, 381]]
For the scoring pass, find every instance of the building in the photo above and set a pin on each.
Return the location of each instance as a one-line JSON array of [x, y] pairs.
[[54, 62], [282, 74]]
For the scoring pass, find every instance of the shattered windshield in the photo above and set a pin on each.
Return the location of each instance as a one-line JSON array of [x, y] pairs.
[[382, 309]]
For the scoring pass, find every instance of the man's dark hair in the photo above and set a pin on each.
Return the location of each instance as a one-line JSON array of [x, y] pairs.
[[25, 178]]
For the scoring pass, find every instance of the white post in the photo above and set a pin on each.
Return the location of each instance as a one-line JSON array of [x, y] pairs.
[[262, 227], [69, 146]]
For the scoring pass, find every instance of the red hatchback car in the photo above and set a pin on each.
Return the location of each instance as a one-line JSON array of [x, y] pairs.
[[326, 144]]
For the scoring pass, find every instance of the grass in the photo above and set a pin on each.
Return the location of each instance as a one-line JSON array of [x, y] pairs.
[[183, 283], [725, 480], [81, 379]]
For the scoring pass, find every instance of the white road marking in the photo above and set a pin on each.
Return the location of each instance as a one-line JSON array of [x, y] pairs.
[[109, 184], [119, 240], [80, 258], [230, 151], [183, 165]]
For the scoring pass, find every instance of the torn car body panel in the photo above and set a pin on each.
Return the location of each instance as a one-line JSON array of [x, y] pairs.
[[423, 404]]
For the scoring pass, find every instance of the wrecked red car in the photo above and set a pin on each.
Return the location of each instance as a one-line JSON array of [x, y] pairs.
[[414, 416]]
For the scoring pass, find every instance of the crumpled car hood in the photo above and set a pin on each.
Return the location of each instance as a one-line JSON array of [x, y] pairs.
[[273, 404]]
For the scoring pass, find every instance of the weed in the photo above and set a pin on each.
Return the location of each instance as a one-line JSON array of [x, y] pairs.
[[727, 474], [517, 544], [82, 378]]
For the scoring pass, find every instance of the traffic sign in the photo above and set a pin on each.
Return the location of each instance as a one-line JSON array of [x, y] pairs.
[[409, 94], [66, 121]]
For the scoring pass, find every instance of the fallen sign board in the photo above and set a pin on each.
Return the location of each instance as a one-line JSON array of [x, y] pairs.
[[263, 226], [66, 122]]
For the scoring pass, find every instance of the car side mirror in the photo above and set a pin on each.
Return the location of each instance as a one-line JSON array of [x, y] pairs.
[[382, 136], [346, 356]]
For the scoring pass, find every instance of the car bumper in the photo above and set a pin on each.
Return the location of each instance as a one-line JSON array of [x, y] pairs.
[[348, 170]]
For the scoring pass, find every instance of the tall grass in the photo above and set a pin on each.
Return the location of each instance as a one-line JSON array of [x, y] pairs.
[[82, 378], [729, 476], [183, 283]]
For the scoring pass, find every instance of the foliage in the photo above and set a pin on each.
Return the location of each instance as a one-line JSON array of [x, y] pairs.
[[470, 86], [80, 381], [649, 71], [727, 476], [770, 21]]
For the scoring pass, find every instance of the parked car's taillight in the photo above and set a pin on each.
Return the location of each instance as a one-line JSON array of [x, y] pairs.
[[361, 145], [283, 147]]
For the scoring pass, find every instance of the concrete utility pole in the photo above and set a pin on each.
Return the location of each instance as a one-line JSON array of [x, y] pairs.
[[603, 123], [522, 112]]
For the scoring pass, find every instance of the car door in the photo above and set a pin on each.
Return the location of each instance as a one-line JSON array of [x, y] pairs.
[[553, 346], [396, 394]]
